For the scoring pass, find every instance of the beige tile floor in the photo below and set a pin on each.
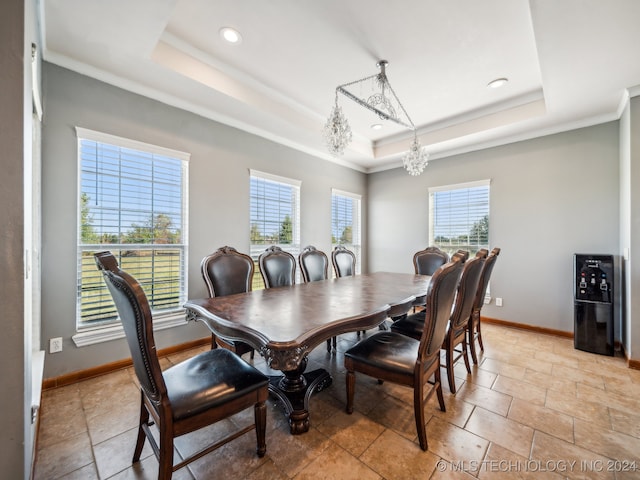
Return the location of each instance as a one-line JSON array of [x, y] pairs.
[[535, 408]]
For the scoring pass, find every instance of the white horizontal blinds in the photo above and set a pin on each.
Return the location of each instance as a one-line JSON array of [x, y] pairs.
[[346, 224], [274, 211], [133, 203], [459, 217]]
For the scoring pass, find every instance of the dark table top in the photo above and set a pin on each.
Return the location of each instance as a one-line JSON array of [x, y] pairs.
[[304, 315]]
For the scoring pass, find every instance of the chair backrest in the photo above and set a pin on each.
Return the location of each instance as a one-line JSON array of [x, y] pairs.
[[135, 314], [440, 295], [344, 261], [314, 264], [484, 278], [467, 289], [427, 261], [277, 267], [227, 271], [464, 253]]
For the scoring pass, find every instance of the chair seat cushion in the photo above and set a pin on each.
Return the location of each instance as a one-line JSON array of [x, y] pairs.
[[208, 380], [411, 326], [386, 350]]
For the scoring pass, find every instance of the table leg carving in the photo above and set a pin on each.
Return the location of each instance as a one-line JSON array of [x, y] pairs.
[[294, 390]]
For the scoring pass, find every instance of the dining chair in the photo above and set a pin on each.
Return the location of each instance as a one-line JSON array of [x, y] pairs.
[[277, 267], [474, 331], [226, 272], [188, 396], [344, 261], [456, 333], [314, 266], [427, 261], [391, 356]]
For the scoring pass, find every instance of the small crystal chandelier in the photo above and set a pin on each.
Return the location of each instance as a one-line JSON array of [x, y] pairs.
[[384, 102], [337, 132], [416, 158]]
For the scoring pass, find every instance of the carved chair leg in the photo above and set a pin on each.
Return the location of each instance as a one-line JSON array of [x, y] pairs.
[[480, 336], [437, 384], [449, 364], [472, 344], [165, 462], [418, 411], [351, 389], [260, 413], [144, 418], [465, 356]]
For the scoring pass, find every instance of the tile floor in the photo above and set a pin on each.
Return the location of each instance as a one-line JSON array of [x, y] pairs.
[[535, 408]]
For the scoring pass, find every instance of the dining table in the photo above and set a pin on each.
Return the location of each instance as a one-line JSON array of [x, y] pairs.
[[285, 324]]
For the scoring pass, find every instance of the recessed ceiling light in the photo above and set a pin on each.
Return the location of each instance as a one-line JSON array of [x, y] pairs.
[[231, 35], [376, 126], [497, 83]]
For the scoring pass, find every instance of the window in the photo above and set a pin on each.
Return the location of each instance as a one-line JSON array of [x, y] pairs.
[[345, 223], [274, 216], [132, 202], [459, 217]]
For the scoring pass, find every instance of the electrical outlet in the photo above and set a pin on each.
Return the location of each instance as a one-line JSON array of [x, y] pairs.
[[55, 345], [498, 301]]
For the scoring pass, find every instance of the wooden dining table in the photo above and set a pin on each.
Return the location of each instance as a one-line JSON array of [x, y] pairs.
[[285, 324]]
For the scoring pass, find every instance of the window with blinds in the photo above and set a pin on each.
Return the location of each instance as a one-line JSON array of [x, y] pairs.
[[132, 202], [345, 223], [459, 217], [274, 211]]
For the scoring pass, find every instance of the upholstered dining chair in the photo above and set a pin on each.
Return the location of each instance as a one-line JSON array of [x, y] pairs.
[[391, 356], [344, 261], [314, 266], [186, 397], [277, 267], [226, 272], [474, 331], [413, 325], [427, 261]]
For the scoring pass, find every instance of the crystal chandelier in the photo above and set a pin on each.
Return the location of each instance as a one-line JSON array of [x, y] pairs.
[[383, 101]]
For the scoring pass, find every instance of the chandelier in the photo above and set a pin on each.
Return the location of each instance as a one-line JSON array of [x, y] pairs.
[[381, 100]]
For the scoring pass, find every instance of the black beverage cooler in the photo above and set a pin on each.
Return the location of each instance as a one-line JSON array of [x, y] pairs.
[[593, 303]]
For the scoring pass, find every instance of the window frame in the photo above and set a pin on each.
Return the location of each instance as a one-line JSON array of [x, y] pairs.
[[295, 247], [92, 334], [354, 246]]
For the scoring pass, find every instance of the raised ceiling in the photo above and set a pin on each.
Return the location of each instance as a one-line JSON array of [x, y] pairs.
[[570, 63]]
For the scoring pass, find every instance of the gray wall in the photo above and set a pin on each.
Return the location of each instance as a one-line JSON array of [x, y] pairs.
[[551, 197], [218, 195]]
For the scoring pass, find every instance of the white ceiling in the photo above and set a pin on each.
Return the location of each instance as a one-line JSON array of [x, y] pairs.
[[570, 63]]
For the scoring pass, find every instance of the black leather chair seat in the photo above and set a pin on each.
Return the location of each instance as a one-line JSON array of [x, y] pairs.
[[411, 326], [386, 350], [210, 379]]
